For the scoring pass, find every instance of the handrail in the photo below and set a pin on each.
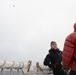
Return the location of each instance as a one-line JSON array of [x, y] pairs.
[[24, 67], [41, 69]]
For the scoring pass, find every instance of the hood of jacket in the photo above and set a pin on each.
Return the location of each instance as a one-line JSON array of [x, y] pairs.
[[75, 27]]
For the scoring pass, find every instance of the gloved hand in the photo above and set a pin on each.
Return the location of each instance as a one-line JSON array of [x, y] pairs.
[[59, 66], [66, 69], [53, 66]]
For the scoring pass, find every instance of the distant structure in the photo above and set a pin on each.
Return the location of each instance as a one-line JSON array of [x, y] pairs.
[[42, 70], [24, 67]]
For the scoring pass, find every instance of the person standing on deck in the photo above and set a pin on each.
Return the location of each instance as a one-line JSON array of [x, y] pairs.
[[53, 59], [69, 53]]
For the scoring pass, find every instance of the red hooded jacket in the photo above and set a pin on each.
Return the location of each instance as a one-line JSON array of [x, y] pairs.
[[69, 51]]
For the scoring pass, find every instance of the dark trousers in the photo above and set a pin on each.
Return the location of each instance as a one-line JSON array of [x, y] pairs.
[[72, 72], [58, 72]]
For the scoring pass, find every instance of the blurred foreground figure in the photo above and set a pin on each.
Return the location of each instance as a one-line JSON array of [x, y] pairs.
[[69, 53]]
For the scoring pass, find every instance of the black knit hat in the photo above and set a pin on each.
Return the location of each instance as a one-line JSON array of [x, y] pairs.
[[52, 42]]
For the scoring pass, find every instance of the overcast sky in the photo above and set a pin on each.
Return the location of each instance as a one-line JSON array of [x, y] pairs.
[[28, 26]]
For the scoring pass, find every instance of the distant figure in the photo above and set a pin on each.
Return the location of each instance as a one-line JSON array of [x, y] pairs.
[[13, 5], [54, 59], [69, 53]]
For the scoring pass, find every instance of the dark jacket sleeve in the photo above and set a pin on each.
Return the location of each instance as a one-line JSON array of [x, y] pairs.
[[47, 61]]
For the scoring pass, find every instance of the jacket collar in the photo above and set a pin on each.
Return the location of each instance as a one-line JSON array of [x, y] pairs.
[[53, 50]]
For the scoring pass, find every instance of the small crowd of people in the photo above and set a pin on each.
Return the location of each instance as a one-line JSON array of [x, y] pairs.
[[62, 62]]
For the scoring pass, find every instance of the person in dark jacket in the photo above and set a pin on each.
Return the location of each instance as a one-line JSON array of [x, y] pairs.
[[69, 52], [53, 59]]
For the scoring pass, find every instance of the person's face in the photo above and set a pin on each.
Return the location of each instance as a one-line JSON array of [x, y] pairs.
[[54, 46]]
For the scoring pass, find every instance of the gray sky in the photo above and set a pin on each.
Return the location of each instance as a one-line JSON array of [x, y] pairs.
[[27, 29]]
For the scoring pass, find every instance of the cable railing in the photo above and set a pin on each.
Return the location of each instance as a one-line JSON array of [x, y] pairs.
[[24, 68], [42, 70], [18, 66]]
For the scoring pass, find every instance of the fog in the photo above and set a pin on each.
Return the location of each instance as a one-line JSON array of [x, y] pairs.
[[28, 26]]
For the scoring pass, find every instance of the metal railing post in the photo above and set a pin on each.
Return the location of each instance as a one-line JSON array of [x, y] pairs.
[[2, 70], [10, 71], [17, 71]]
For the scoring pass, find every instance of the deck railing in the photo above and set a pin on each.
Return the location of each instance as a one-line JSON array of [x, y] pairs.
[[24, 67], [42, 70]]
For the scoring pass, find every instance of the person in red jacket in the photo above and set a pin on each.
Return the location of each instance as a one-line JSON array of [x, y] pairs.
[[69, 52]]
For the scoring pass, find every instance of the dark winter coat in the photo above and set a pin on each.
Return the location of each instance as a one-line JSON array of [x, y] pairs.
[[54, 56]]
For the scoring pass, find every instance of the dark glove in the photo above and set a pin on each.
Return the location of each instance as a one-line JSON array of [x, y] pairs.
[[58, 66], [53, 66]]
